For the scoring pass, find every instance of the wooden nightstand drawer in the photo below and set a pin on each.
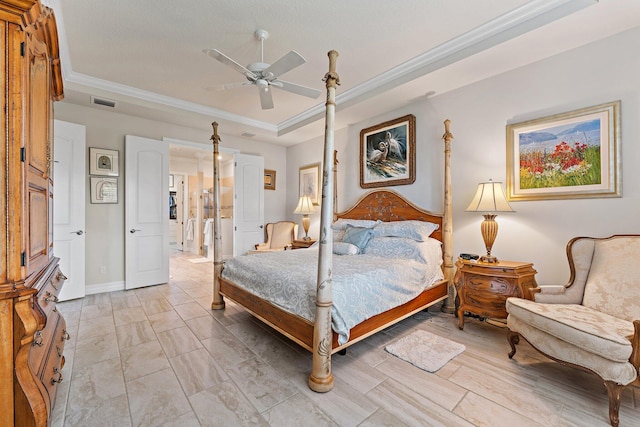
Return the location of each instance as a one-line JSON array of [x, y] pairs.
[[483, 289]]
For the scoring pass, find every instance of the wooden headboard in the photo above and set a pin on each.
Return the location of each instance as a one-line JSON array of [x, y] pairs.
[[387, 205]]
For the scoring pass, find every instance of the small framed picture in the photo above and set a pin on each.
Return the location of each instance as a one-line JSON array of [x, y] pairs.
[[104, 190], [309, 182], [103, 162], [269, 179]]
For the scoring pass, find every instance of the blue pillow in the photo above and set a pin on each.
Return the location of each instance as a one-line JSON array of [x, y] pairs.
[[358, 236]]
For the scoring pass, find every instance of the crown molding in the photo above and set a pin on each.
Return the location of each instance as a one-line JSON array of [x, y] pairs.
[[525, 18], [530, 16]]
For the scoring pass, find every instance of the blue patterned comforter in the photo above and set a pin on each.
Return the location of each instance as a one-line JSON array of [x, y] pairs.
[[362, 285]]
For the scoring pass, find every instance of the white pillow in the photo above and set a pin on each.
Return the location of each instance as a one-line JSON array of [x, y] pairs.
[[344, 248], [427, 252], [412, 229]]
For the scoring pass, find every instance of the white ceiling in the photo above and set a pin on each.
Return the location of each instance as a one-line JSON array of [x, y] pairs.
[[147, 56]]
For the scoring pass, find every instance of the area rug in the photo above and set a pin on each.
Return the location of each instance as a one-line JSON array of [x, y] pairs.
[[199, 260], [425, 350]]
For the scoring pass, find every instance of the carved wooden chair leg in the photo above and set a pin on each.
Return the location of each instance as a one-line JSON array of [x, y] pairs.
[[513, 338], [614, 390]]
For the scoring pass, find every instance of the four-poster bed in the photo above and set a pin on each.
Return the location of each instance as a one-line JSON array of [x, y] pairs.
[[316, 335]]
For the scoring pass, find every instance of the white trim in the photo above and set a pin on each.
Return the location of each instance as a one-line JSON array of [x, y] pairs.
[[99, 288]]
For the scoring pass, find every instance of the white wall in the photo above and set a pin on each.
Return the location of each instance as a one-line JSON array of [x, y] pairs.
[[105, 222], [538, 231]]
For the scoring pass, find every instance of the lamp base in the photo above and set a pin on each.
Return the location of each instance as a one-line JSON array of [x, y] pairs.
[[489, 259], [306, 238]]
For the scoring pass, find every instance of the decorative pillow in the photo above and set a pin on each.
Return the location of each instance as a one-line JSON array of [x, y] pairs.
[[427, 252], [358, 236], [344, 248], [412, 229], [340, 226]]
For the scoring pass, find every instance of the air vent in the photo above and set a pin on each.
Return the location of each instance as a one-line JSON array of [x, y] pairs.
[[104, 102], [248, 134]]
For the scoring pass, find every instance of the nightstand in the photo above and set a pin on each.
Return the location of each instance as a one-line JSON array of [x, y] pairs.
[[483, 288], [301, 244]]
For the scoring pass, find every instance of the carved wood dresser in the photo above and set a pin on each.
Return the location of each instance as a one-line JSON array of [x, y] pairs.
[[32, 331]]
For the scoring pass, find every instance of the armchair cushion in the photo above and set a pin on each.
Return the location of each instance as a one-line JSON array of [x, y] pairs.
[[590, 330]]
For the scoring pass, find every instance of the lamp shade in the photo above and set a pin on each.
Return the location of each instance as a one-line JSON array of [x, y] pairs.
[[489, 198], [305, 206]]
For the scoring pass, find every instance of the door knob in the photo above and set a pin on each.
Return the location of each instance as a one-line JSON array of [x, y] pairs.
[[133, 230], [78, 232]]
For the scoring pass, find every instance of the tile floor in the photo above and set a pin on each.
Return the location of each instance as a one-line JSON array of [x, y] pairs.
[[159, 356]]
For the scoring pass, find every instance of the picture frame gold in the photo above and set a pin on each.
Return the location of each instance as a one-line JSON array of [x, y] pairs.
[[388, 153], [269, 179], [565, 156], [309, 182]]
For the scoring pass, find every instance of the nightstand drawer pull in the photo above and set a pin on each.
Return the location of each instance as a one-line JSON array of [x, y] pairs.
[[498, 286], [65, 335]]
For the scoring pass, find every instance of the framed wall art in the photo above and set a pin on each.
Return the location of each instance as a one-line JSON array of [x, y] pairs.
[[104, 190], [309, 183], [388, 153], [103, 162], [568, 155], [269, 179]]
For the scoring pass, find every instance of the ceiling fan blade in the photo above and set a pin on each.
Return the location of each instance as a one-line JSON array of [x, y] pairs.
[[266, 100], [219, 56], [297, 89], [288, 62]]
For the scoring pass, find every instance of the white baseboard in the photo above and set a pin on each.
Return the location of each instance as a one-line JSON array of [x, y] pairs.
[[99, 288]]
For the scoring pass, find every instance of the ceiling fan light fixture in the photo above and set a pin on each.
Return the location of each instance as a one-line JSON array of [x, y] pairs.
[[262, 85]]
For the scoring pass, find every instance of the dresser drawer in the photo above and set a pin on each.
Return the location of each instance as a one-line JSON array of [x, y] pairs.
[[51, 374], [48, 295], [42, 343], [492, 286]]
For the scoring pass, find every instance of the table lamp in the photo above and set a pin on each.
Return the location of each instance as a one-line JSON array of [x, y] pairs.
[[305, 207], [489, 199]]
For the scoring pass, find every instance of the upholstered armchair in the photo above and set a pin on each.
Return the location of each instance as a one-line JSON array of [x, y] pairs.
[[278, 236], [593, 322]]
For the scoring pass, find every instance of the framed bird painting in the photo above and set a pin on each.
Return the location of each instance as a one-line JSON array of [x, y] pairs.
[[388, 153]]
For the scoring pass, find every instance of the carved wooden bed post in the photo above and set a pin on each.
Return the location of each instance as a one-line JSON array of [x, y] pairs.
[[217, 302], [447, 222], [321, 379]]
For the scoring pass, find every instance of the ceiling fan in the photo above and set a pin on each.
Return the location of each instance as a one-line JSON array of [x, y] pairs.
[[265, 75]]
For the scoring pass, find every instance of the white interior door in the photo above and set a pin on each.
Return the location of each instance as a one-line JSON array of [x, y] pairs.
[[248, 204], [146, 212], [69, 170]]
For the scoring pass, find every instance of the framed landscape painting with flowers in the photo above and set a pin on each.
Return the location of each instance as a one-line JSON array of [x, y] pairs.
[[569, 155]]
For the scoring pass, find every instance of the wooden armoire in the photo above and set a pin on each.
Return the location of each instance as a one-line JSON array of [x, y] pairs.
[[32, 331]]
